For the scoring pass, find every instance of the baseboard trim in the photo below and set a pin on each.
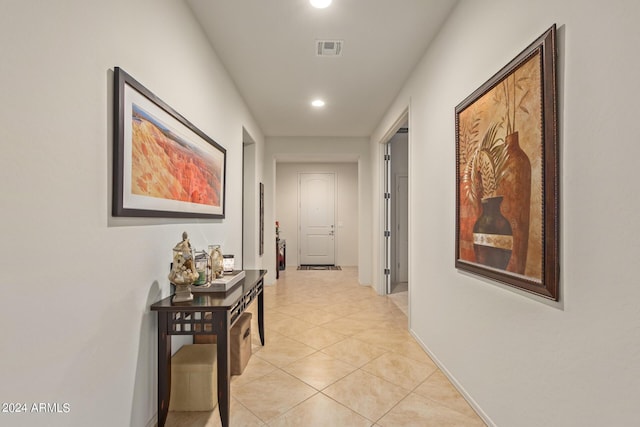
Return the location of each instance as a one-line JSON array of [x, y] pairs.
[[153, 422], [488, 421]]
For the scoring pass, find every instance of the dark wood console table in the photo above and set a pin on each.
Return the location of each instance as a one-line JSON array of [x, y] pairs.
[[210, 313]]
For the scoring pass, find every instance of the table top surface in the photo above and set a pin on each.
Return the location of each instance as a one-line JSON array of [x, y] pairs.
[[216, 300]]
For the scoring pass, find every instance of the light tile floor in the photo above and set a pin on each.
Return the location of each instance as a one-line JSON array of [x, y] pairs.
[[336, 354]]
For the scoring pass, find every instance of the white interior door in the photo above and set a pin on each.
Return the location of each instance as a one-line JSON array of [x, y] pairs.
[[317, 218], [387, 217]]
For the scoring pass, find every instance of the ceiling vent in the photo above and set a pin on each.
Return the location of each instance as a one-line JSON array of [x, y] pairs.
[[329, 47]]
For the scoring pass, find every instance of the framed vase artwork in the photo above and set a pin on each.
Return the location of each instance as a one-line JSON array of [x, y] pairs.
[[507, 174], [163, 166]]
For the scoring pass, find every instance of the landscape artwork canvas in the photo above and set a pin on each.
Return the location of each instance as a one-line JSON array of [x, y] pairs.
[[506, 183], [164, 166]]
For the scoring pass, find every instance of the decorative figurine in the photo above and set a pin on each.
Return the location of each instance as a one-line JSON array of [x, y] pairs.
[[183, 271], [217, 266]]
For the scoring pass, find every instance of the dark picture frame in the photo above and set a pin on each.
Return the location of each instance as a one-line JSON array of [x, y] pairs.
[[507, 174], [163, 165]]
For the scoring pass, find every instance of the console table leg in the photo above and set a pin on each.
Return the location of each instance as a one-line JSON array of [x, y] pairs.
[[164, 368], [224, 368], [261, 315]]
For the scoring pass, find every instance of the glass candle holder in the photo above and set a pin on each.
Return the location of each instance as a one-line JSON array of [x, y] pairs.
[[201, 263], [229, 263]]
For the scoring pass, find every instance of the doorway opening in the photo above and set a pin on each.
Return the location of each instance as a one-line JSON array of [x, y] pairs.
[[394, 249], [397, 211], [249, 207], [333, 184], [400, 211]]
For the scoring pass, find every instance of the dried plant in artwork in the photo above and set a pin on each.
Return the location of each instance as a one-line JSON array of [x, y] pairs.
[[483, 164], [469, 131], [508, 95], [484, 169]]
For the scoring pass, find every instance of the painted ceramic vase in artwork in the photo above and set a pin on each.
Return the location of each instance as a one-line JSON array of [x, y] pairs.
[[515, 187], [492, 235]]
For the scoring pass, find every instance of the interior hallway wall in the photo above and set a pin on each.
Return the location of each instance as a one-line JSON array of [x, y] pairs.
[[525, 361], [77, 282], [346, 220], [327, 150]]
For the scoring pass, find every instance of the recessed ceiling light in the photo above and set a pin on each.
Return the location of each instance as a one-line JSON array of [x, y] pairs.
[[320, 4], [317, 103]]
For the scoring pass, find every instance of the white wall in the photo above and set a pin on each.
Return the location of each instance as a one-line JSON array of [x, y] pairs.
[[523, 360], [326, 150], [346, 231], [77, 283]]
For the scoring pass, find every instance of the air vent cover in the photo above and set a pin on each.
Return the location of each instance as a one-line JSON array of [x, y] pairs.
[[329, 47]]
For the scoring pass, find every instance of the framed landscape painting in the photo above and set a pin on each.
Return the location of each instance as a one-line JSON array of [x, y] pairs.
[[163, 166], [507, 174]]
